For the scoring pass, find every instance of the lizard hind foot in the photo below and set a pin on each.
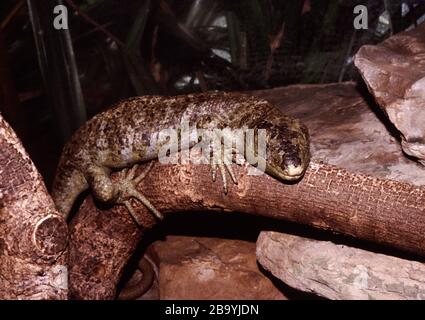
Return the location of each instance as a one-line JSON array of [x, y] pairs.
[[127, 188]]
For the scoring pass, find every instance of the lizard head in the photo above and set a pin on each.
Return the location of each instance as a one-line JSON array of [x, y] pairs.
[[288, 170], [288, 150]]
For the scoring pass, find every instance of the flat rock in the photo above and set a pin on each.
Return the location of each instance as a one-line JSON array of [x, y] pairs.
[[394, 72], [337, 271]]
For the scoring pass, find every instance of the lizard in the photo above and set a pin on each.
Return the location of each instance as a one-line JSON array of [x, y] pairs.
[[120, 138]]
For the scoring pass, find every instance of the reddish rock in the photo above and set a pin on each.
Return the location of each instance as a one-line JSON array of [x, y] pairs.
[[208, 268]]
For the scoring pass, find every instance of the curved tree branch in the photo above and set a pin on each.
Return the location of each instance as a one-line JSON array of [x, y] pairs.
[[33, 235], [383, 211]]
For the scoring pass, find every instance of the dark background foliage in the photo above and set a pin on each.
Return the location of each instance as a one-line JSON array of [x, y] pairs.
[[52, 81]]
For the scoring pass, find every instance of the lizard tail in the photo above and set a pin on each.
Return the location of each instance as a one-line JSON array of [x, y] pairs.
[[69, 183]]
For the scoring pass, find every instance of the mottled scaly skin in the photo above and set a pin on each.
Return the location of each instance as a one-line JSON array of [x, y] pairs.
[[121, 136]]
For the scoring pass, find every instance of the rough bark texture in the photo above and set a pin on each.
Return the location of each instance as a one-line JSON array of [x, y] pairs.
[[344, 132], [33, 236], [337, 271], [394, 72], [208, 268], [382, 211], [101, 243]]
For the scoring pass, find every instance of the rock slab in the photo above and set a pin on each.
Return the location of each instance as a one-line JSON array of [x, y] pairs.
[[394, 72], [338, 271]]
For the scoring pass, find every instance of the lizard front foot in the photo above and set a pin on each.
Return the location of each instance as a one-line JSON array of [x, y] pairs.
[[223, 162], [126, 186]]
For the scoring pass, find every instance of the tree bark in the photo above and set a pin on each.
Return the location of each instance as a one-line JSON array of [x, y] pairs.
[[384, 211], [33, 235], [338, 271]]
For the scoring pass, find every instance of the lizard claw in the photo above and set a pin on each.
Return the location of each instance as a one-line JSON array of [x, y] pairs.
[[223, 176], [127, 188], [213, 170], [223, 164], [141, 176], [231, 173], [132, 172]]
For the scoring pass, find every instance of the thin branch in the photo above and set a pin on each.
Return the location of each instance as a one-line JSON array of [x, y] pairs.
[[12, 14], [96, 29], [93, 22]]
